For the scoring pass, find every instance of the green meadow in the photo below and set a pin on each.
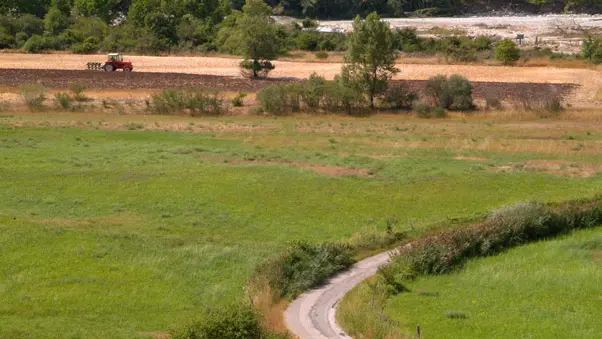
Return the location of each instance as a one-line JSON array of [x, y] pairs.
[[127, 227], [549, 289]]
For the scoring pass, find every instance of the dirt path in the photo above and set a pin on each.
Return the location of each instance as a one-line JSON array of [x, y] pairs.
[[590, 80], [312, 315]]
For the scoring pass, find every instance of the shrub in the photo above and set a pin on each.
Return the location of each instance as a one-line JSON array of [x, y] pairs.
[[439, 112], [34, 96], [194, 101], [63, 100], [256, 69], [545, 105], [90, 45], [422, 109], [453, 93], [504, 228], [302, 266], [6, 40], [482, 43], [460, 91], [35, 44], [506, 51], [272, 99], [457, 48], [322, 55], [591, 49], [256, 111], [78, 91], [313, 91], [340, 97], [231, 322], [399, 97], [199, 103], [406, 39], [238, 100], [493, 99], [169, 101]]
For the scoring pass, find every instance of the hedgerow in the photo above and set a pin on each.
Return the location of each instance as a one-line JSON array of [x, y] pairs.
[[504, 228]]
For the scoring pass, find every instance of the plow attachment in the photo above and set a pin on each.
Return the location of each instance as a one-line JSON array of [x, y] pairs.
[[95, 66]]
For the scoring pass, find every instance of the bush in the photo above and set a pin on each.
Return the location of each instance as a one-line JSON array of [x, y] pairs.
[[482, 43], [90, 45], [591, 49], [63, 100], [507, 52], [34, 96], [194, 101], [199, 103], [545, 105], [273, 99], [313, 91], [232, 322], [399, 97], [439, 112], [6, 40], [256, 68], [493, 99], [78, 91], [238, 100], [35, 44], [504, 228], [340, 97], [322, 55], [406, 39], [453, 93], [422, 109], [457, 48], [302, 266]]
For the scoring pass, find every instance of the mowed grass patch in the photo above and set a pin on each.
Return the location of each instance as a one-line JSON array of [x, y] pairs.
[[542, 290], [115, 233]]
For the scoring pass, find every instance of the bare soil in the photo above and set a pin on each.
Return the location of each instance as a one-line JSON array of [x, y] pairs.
[[147, 80], [222, 74]]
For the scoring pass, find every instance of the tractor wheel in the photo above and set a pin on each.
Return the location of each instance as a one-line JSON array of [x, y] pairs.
[[109, 68], [127, 69]]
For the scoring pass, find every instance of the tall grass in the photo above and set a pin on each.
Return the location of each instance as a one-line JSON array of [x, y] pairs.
[[195, 102], [34, 96]]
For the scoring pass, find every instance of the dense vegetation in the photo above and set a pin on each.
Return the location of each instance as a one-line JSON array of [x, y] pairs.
[[152, 26]]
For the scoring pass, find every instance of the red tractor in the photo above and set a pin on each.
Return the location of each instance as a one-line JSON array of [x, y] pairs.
[[114, 62]]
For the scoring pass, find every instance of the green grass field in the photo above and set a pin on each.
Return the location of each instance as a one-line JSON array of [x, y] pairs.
[[126, 226], [549, 289]]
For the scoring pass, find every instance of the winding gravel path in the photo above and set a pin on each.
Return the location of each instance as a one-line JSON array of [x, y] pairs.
[[312, 315]]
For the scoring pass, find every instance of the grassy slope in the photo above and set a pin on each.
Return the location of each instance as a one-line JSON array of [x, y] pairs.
[[549, 289], [116, 233]]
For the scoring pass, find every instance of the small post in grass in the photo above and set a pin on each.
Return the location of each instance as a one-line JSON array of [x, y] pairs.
[[418, 331]]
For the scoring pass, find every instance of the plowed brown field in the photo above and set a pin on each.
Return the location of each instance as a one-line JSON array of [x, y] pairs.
[[588, 80], [148, 80]]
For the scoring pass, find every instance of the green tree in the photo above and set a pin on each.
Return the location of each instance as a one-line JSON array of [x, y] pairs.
[[591, 48], [370, 56], [104, 9], [56, 20], [259, 39], [506, 51], [36, 7]]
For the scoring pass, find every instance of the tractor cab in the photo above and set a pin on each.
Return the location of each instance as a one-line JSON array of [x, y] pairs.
[[115, 61], [115, 57]]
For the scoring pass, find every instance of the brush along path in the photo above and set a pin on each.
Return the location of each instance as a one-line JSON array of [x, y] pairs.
[[312, 314]]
